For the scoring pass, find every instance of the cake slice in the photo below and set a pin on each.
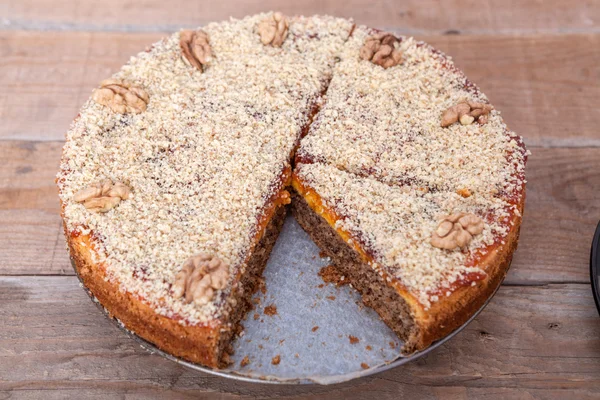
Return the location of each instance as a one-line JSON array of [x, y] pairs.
[[412, 184], [173, 177]]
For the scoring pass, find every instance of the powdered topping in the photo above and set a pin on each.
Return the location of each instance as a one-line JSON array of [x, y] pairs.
[[386, 123], [121, 97], [102, 196], [195, 48], [205, 157], [394, 224]]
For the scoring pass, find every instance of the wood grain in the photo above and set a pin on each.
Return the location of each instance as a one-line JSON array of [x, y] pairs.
[[561, 212], [530, 342], [420, 16], [546, 86]]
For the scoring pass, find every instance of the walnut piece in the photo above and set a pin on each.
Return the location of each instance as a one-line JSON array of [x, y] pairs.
[[121, 97], [102, 196], [200, 276], [195, 48], [456, 230], [466, 112], [273, 30], [381, 50]]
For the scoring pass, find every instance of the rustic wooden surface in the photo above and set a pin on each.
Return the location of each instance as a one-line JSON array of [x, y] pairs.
[[538, 61]]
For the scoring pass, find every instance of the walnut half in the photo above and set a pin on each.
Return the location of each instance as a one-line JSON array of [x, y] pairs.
[[456, 230], [273, 30], [381, 49], [102, 196], [121, 97], [466, 112], [195, 48], [200, 276]]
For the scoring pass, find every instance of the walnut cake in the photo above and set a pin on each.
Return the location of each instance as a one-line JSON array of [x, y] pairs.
[[177, 173]]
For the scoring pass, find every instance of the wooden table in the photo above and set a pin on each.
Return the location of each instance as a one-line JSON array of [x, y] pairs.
[[538, 61]]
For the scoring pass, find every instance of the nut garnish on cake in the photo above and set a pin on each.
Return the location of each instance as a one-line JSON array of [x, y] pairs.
[[102, 196], [200, 276], [195, 48], [121, 97], [456, 231], [382, 49], [273, 30], [466, 112]]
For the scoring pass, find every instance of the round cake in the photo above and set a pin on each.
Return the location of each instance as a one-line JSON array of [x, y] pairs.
[[178, 171]]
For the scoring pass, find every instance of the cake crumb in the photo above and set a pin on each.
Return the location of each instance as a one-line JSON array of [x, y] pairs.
[[330, 274], [260, 346], [368, 347], [297, 355], [276, 360], [314, 328], [281, 341], [392, 345], [270, 310], [364, 365], [256, 316], [331, 298], [353, 339], [322, 254], [321, 285], [245, 361]]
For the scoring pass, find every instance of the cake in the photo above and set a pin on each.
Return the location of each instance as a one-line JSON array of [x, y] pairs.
[[177, 173]]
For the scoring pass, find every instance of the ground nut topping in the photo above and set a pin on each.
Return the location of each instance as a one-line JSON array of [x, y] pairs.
[[203, 159]]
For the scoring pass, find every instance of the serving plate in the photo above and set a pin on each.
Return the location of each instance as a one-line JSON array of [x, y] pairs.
[[304, 331]]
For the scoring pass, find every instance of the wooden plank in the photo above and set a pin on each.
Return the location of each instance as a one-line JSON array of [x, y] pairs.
[[560, 215], [424, 16], [546, 86], [530, 342]]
